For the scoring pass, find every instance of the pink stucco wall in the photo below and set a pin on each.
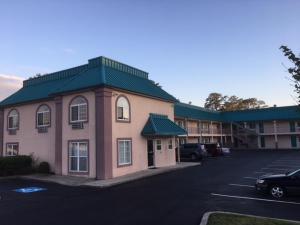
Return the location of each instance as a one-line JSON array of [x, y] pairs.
[[88, 133], [140, 109], [41, 145]]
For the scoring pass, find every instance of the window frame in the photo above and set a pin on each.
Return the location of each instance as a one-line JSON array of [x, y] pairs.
[[129, 110], [12, 143], [170, 143], [78, 113], [37, 118], [118, 152], [18, 121], [78, 142], [156, 144]]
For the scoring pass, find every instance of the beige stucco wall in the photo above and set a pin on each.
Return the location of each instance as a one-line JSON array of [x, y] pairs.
[[284, 141], [269, 141], [192, 140], [41, 145], [141, 107], [88, 133]]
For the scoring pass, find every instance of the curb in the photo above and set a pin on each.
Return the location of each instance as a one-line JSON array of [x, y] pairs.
[[207, 215]]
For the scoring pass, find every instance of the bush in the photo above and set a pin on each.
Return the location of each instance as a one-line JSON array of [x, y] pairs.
[[16, 165], [44, 167]]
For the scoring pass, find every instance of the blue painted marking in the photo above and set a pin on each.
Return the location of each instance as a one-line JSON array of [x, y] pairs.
[[30, 190]]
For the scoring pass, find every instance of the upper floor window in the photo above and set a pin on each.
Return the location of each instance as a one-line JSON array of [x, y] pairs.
[[123, 109], [79, 110], [43, 116], [13, 120]]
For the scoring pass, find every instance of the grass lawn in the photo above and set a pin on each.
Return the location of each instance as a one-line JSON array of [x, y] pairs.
[[227, 219]]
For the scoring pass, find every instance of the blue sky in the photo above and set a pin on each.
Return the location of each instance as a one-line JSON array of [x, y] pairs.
[[191, 48]]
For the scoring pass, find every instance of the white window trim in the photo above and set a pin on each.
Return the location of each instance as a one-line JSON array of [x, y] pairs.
[[78, 161], [12, 144], [37, 119], [78, 113], [130, 158], [17, 126], [123, 119]]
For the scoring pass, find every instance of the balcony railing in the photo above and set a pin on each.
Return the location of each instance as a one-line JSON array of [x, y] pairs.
[[198, 130]]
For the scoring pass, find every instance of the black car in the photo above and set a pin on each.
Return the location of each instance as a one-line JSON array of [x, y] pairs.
[[193, 151], [280, 184]]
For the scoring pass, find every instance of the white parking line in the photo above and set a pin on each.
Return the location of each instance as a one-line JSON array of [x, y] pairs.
[[260, 172], [252, 178], [256, 199], [268, 168], [242, 185]]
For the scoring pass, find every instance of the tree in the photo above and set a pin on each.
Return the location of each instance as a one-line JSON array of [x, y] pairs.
[[215, 101], [295, 69]]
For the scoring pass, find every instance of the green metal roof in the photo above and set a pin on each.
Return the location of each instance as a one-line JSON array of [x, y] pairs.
[[160, 125], [194, 112], [272, 113], [98, 72]]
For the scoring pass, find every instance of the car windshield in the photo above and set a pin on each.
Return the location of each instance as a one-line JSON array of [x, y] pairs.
[[292, 172]]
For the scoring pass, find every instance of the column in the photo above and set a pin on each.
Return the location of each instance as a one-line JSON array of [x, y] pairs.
[[221, 131], [1, 131], [275, 133], [58, 135], [211, 132], [103, 118], [231, 131]]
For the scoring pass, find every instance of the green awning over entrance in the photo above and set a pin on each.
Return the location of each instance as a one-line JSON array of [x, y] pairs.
[[161, 125]]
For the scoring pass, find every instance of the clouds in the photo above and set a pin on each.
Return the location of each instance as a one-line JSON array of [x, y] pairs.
[[9, 84]]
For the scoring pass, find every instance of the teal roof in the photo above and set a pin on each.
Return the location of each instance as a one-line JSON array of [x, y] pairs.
[[194, 112], [160, 125], [272, 113], [98, 72]]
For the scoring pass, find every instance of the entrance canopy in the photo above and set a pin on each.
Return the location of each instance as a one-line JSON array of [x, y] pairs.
[[161, 125]]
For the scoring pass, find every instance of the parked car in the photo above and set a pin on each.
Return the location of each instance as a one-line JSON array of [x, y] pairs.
[[213, 149], [280, 184], [193, 151], [225, 151]]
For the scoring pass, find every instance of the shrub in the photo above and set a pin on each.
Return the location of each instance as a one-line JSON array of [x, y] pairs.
[[44, 167], [15, 165]]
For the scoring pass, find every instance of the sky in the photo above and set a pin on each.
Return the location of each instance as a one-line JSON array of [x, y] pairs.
[[192, 48]]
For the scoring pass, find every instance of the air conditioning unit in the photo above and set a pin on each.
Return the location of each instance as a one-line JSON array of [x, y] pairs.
[[77, 126], [12, 132], [43, 129]]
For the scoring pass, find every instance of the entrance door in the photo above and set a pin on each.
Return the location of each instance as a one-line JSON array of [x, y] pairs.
[[150, 151]]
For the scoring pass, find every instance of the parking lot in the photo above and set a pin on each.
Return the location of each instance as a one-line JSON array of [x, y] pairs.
[[179, 197]]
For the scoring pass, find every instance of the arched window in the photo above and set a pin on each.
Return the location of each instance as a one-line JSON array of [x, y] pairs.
[[78, 110], [43, 116], [123, 109], [13, 120]]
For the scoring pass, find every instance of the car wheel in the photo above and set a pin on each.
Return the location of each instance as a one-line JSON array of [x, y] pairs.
[[277, 191]]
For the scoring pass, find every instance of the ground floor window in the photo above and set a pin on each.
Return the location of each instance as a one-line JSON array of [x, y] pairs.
[[78, 156], [170, 144], [12, 149], [158, 144], [262, 142], [124, 152]]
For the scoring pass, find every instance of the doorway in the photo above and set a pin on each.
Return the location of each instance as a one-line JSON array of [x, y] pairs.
[[150, 151]]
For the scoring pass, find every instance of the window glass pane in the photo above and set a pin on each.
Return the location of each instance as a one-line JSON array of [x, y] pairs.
[[123, 109], [15, 121], [158, 144], [82, 149], [83, 112], [73, 163], [74, 149], [46, 118], [74, 113], [120, 112], [83, 165], [40, 119], [124, 150], [78, 100], [10, 122]]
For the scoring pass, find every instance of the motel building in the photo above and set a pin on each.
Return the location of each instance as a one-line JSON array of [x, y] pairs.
[[106, 119]]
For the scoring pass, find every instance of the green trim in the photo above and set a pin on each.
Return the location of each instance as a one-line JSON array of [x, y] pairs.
[[294, 141]]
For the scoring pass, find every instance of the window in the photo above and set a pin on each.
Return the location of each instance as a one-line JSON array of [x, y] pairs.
[[12, 149], [170, 144], [13, 120], [123, 109], [124, 152], [78, 110], [78, 156], [43, 116], [158, 144]]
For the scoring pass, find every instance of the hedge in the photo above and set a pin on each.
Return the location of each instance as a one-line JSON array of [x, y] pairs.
[[16, 165]]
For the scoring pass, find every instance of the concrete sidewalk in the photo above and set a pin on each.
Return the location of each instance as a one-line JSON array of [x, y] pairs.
[[81, 181]]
